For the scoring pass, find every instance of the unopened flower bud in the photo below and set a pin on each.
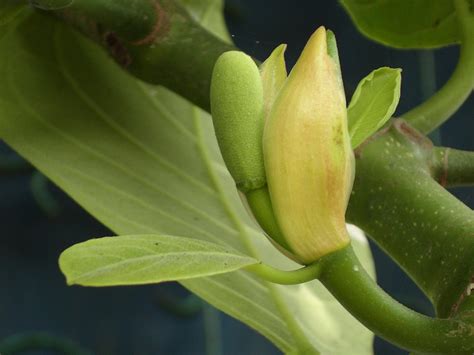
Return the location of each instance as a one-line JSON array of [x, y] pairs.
[[309, 162], [238, 110]]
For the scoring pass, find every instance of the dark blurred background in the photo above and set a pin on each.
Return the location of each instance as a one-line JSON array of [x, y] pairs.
[[38, 221]]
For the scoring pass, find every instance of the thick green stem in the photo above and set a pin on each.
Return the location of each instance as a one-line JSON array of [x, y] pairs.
[[444, 103], [346, 279], [157, 41], [420, 224], [161, 27], [132, 20], [453, 167], [344, 276]]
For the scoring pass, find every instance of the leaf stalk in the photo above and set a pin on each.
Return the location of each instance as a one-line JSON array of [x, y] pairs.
[[444, 103]]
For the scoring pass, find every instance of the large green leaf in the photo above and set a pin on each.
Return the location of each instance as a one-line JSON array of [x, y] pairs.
[[146, 259], [405, 23], [144, 161], [373, 103]]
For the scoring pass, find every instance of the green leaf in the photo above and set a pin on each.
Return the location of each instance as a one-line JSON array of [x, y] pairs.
[[209, 14], [405, 23], [144, 161], [273, 73], [146, 259], [373, 103]]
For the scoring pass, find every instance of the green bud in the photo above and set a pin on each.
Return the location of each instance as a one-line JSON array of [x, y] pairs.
[[237, 107], [308, 158], [273, 73], [238, 115]]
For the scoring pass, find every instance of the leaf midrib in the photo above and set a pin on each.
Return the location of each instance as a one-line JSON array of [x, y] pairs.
[[159, 257]]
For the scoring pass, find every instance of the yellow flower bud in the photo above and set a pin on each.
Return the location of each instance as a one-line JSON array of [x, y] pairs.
[[309, 162]]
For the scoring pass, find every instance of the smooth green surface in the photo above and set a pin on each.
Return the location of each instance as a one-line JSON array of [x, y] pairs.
[[260, 204], [291, 277], [131, 20], [405, 23], [349, 283], [373, 103], [146, 259], [8, 11], [144, 161]]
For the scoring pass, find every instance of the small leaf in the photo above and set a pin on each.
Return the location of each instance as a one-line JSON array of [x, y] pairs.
[[146, 259], [373, 103], [405, 23], [273, 73]]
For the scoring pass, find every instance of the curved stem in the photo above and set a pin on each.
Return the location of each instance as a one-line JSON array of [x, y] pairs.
[[416, 221], [346, 279], [132, 20], [453, 167], [155, 40], [261, 206], [444, 103], [292, 277], [40, 341]]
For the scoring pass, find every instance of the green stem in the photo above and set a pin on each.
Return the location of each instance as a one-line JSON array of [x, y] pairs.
[[423, 227], [444, 103], [346, 279], [40, 341], [157, 41], [453, 167], [132, 20], [291, 277], [212, 330], [260, 203]]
